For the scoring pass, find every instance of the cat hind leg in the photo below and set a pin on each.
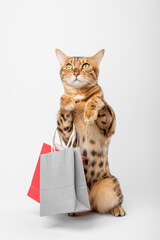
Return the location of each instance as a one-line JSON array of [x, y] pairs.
[[106, 197]]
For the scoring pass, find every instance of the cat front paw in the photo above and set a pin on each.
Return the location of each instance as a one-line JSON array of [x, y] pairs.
[[90, 116], [67, 104]]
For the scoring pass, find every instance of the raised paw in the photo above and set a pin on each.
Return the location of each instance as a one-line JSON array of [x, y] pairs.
[[90, 115], [67, 104], [118, 211]]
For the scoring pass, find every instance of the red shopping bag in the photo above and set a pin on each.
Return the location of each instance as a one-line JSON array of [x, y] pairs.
[[34, 190]]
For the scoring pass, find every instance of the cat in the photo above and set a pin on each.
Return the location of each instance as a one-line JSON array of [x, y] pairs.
[[83, 104]]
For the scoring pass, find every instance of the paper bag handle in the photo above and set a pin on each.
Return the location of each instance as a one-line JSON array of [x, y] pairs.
[[71, 139]]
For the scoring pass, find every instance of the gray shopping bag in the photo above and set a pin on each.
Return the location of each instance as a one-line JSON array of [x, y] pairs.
[[82, 200], [63, 186]]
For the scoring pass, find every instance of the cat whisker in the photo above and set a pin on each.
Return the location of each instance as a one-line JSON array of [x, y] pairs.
[[90, 82]]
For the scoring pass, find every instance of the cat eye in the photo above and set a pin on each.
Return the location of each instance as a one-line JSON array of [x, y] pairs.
[[69, 66], [85, 66]]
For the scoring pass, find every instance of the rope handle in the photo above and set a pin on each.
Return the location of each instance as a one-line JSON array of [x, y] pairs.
[[71, 139]]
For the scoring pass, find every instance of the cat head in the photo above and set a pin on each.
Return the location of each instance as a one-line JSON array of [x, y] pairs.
[[79, 72]]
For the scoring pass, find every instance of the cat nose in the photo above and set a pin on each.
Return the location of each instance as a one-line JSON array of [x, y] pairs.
[[76, 74]]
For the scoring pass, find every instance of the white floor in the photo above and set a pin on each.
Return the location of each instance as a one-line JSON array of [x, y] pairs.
[[23, 222]]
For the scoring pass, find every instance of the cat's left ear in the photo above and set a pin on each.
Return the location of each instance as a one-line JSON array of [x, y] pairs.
[[61, 57], [98, 57]]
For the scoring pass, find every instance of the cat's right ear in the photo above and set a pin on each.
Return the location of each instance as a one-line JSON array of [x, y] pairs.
[[61, 56], [98, 57]]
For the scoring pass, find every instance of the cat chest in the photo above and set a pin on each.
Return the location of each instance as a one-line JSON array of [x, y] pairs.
[[78, 97]]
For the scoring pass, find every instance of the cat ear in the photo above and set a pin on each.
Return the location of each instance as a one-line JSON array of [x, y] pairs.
[[98, 57], [61, 56]]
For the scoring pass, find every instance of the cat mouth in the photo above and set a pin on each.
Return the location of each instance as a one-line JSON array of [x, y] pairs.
[[76, 79]]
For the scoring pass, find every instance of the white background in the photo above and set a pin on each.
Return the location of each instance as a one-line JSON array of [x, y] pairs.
[[30, 90]]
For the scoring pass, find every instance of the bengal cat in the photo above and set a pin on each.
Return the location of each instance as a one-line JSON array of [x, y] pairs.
[[83, 104]]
